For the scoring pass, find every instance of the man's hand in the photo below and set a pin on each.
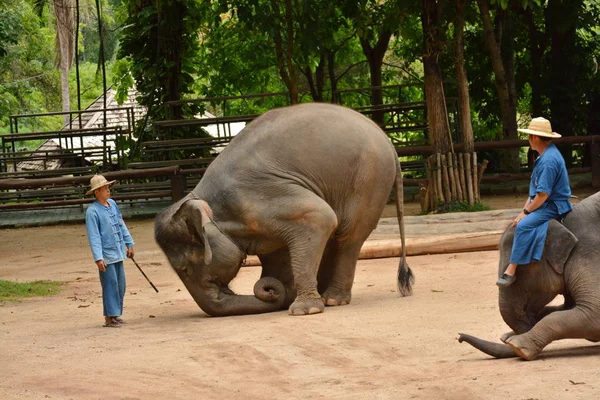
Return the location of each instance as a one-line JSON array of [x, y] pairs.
[[130, 252], [518, 219], [101, 265]]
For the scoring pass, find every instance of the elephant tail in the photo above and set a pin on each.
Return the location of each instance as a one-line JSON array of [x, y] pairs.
[[405, 275]]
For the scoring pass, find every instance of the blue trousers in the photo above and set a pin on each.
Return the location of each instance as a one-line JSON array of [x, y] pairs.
[[530, 235], [113, 289]]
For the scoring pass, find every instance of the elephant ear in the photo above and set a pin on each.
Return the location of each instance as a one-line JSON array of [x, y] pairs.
[[196, 214], [559, 244]]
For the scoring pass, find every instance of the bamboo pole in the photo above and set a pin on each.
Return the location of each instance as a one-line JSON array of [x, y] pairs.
[[433, 195], [438, 168], [459, 192], [482, 168], [446, 179], [469, 178], [461, 176], [475, 182], [453, 189]]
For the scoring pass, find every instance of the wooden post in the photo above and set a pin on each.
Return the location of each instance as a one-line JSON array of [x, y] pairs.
[[433, 194], [453, 189], [469, 178], [475, 183], [438, 167], [177, 187], [461, 175], [446, 179], [459, 192], [595, 164]]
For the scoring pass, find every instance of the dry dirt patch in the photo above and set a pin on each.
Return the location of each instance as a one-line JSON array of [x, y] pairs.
[[381, 346]]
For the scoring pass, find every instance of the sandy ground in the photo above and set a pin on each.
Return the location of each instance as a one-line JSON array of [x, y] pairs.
[[381, 346]]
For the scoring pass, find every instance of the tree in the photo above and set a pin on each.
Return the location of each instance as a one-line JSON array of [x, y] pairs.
[[433, 47], [462, 83], [159, 49], [64, 48], [502, 64], [376, 22]]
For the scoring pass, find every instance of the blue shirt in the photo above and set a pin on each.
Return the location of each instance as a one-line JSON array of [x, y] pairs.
[[550, 176], [107, 233]]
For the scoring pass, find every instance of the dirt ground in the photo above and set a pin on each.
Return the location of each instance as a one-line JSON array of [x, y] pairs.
[[381, 346]]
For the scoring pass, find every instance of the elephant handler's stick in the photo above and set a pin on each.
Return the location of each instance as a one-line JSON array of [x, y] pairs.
[[150, 282]]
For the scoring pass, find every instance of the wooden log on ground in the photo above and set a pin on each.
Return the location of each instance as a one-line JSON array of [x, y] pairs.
[[445, 244]]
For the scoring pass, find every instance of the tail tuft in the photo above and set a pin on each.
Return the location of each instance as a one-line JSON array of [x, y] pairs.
[[405, 278]]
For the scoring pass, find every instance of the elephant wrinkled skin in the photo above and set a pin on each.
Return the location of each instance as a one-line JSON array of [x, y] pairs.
[[302, 187], [570, 266]]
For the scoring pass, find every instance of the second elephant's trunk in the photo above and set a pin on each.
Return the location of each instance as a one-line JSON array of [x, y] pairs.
[[497, 350]]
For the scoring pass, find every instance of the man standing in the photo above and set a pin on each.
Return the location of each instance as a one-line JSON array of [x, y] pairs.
[[110, 243]]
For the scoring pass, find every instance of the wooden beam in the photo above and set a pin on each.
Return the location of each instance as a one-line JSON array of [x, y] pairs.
[[79, 180]]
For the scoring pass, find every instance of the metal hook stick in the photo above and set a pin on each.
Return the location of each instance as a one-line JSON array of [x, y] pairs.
[[150, 282]]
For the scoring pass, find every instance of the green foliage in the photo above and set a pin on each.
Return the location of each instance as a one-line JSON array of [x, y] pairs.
[[160, 47], [27, 77], [458, 206], [15, 291]]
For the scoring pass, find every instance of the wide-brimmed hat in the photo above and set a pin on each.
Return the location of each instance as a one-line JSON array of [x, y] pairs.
[[97, 182], [541, 127]]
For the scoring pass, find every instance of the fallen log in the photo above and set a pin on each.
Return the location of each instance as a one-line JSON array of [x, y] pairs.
[[443, 244]]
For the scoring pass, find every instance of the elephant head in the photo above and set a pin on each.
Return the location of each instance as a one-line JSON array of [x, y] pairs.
[[206, 260], [524, 303]]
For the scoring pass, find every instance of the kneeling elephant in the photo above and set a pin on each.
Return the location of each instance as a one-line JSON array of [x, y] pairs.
[[302, 187], [570, 266]]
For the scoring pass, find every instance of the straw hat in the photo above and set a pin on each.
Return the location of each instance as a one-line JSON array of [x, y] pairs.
[[540, 127], [97, 182]]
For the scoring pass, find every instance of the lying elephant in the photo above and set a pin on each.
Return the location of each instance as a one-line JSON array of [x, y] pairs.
[[302, 187], [570, 266]]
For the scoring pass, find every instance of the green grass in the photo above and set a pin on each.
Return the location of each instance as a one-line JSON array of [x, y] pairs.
[[14, 291], [461, 206]]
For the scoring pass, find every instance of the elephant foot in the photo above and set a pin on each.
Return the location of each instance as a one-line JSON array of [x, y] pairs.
[[336, 299], [522, 347], [307, 304]]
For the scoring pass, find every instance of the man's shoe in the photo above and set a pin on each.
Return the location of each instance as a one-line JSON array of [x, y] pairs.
[[505, 281]]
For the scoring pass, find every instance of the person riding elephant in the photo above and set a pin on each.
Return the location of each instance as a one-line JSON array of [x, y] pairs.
[[549, 193]]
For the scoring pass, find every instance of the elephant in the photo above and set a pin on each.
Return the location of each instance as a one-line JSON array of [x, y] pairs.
[[570, 266], [301, 187]]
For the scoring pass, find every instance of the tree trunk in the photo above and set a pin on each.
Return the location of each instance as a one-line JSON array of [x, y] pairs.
[[332, 77], [284, 56], [374, 55], [464, 107], [437, 113], [64, 90], [290, 51], [508, 110], [537, 47], [562, 23], [63, 11]]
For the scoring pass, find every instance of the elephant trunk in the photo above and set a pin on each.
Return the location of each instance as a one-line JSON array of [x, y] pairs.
[[497, 350], [515, 313], [220, 301]]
